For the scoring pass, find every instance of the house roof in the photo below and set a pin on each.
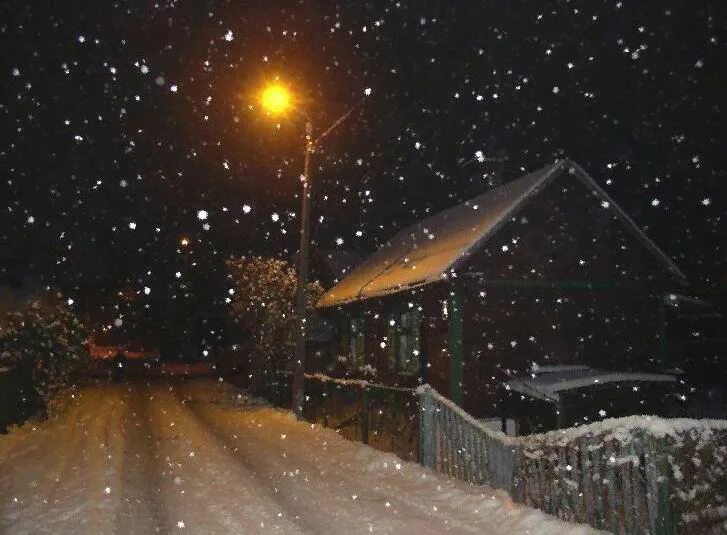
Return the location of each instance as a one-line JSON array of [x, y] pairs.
[[428, 250], [547, 383]]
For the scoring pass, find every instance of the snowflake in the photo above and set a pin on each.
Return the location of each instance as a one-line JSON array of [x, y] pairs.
[[655, 202], [174, 88], [202, 215], [367, 91], [246, 208], [229, 36], [180, 524], [275, 216], [706, 201], [132, 225]]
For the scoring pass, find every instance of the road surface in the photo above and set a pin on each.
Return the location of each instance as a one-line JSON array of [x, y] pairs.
[[200, 457]]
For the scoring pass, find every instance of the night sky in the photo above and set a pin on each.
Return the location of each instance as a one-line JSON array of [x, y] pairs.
[[122, 121]]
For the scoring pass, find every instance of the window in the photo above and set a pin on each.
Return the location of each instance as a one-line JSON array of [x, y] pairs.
[[405, 341], [357, 335]]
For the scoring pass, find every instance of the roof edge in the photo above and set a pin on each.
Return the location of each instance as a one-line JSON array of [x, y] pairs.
[[590, 183], [557, 169]]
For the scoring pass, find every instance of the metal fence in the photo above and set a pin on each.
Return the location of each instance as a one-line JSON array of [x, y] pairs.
[[663, 478], [384, 417], [454, 443]]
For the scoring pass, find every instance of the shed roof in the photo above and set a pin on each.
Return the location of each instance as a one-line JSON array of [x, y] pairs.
[[426, 251], [547, 384]]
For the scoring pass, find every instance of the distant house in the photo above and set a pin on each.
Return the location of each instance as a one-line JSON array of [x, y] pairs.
[[546, 268]]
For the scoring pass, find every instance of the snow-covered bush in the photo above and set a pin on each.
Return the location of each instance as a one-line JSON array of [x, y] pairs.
[[49, 339], [263, 306]]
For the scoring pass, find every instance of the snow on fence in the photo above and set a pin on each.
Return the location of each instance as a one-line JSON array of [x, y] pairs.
[[632, 475]]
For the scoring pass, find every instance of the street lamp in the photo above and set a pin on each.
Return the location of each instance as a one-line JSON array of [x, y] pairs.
[[276, 100]]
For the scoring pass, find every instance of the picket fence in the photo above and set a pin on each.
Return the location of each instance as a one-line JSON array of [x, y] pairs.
[[630, 476], [619, 476]]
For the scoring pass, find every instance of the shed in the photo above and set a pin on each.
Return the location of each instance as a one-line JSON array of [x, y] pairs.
[[553, 397]]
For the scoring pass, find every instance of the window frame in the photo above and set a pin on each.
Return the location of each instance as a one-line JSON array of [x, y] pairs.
[[405, 341]]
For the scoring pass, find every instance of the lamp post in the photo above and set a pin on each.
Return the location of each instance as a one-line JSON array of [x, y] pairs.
[[276, 100]]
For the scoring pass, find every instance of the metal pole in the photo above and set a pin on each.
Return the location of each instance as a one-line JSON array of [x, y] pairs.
[[300, 298]]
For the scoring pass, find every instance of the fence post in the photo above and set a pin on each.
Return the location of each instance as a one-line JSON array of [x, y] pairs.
[[365, 415], [426, 427], [660, 477]]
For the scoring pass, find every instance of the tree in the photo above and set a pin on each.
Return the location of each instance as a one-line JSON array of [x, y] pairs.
[[48, 339], [263, 306]]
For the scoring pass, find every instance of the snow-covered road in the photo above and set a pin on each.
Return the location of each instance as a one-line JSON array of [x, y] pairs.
[[198, 457]]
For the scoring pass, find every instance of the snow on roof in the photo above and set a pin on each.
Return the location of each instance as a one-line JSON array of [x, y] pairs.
[[547, 383], [426, 251]]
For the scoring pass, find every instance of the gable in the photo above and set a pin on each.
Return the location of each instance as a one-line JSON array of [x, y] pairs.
[[429, 250], [567, 233]]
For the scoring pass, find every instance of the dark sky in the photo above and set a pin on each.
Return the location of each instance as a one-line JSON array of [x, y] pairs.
[[121, 121]]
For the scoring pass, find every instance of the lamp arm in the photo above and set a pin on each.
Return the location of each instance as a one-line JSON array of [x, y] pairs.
[[338, 122]]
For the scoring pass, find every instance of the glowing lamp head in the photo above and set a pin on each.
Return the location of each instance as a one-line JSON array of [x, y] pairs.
[[276, 99]]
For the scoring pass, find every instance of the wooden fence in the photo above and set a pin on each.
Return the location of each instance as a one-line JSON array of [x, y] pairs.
[[633, 475], [384, 417], [453, 442]]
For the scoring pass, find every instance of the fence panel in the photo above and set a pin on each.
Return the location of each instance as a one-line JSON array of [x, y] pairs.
[[634, 475], [382, 416]]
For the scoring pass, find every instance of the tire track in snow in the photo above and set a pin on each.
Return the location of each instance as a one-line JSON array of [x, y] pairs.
[[140, 509], [203, 484], [299, 483]]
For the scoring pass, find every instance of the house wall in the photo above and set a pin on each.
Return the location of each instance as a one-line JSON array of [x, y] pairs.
[[506, 330], [376, 313]]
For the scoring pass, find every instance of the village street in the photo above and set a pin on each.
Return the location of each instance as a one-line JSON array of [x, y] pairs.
[[200, 457]]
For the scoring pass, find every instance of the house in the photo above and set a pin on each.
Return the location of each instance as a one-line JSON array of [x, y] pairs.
[[546, 268]]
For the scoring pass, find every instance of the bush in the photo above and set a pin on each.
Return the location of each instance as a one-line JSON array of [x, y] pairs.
[[49, 340], [263, 306]]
